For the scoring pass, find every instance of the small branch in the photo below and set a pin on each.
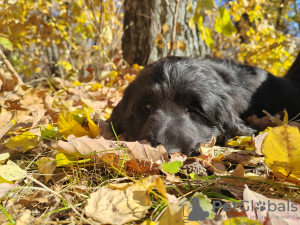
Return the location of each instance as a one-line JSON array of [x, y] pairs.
[[10, 67], [278, 21], [174, 27]]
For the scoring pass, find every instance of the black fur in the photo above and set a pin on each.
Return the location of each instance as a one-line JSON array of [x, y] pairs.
[[181, 102]]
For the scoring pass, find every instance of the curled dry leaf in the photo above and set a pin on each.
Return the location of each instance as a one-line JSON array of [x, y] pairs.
[[270, 211], [24, 218], [112, 205], [46, 166], [239, 172], [5, 122], [6, 187], [139, 157], [33, 198], [53, 113]]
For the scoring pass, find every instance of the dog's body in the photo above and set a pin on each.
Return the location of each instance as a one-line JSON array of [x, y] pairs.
[[181, 102]]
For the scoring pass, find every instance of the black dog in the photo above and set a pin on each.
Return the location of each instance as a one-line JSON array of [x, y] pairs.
[[181, 102]]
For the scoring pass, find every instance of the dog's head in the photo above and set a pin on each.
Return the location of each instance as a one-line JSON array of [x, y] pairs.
[[177, 102]]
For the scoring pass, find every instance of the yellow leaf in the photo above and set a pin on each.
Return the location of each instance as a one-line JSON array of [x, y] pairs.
[[205, 4], [240, 220], [223, 24], [129, 77], [165, 28], [192, 23], [67, 125], [11, 171], [22, 142], [107, 34], [96, 87], [137, 67], [110, 74], [77, 83], [281, 148], [2, 180], [242, 141], [286, 117], [66, 65], [62, 160], [159, 41], [189, 7], [4, 156], [148, 222], [95, 47], [94, 129]]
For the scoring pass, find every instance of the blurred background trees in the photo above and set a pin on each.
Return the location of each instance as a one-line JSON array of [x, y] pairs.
[[99, 39]]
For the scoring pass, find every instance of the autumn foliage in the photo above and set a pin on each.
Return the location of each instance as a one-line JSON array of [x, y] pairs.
[[62, 72]]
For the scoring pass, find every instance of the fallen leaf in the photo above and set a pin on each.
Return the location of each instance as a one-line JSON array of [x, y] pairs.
[[22, 142], [139, 157], [270, 211], [172, 167], [4, 156], [239, 220], [281, 148], [119, 206], [24, 219], [46, 166], [67, 125], [258, 141], [37, 197], [6, 187], [6, 123], [11, 171], [238, 172], [94, 129]]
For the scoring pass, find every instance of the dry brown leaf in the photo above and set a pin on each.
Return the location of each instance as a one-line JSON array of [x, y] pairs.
[[219, 168], [46, 166], [53, 113], [33, 198], [263, 209], [24, 219], [38, 113], [258, 140], [114, 206], [140, 157], [178, 156], [5, 122], [238, 172], [8, 80], [244, 159]]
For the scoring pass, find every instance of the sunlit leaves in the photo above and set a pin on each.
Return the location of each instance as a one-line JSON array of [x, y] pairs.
[[67, 125], [223, 23], [172, 167], [6, 43], [11, 171], [281, 148], [22, 142]]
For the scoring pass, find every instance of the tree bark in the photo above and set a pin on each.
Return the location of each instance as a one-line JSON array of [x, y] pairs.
[[149, 28]]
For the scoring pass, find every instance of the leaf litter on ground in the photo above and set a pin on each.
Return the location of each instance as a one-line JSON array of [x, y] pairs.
[[57, 156]]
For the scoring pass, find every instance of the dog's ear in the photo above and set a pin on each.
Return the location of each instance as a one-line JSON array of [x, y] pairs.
[[117, 117], [123, 111], [233, 126]]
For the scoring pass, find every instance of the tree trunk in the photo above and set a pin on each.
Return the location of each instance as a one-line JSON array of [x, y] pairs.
[[149, 31]]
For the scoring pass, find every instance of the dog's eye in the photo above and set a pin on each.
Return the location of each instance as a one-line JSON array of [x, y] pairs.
[[148, 106], [192, 108]]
